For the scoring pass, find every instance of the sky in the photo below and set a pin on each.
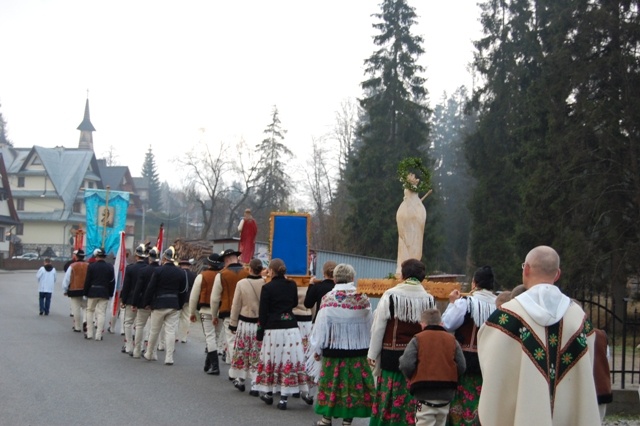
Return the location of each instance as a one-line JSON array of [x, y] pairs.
[[173, 74]]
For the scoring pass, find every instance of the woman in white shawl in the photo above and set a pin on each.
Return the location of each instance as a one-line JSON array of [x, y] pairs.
[[338, 347], [395, 322], [464, 316]]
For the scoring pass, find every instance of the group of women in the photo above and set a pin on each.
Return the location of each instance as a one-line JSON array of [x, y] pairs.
[[348, 346]]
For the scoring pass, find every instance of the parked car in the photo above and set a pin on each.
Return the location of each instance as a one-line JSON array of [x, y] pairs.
[[28, 256]]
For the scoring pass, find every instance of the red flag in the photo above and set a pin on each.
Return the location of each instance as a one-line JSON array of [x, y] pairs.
[[160, 240], [119, 266]]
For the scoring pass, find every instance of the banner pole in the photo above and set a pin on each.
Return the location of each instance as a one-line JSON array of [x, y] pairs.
[[105, 218]]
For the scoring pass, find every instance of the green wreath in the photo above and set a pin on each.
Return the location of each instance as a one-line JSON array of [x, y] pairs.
[[408, 165]]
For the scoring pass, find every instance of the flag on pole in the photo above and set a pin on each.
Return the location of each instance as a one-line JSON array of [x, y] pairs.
[[160, 240], [106, 217], [119, 266]]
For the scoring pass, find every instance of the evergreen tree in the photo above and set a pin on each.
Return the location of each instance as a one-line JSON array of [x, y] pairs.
[[273, 185], [150, 171], [394, 127], [450, 125], [4, 140]]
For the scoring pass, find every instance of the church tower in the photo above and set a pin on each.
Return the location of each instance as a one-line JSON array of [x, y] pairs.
[[86, 130]]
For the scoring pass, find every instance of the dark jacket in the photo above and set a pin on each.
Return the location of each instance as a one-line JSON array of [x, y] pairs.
[[100, 280], [277, 299], [131, 274], [168, 288], [315, 293], [144, 276]]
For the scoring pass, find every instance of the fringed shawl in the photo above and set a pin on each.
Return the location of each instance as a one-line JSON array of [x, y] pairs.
[[480, 306], [408, 302], [343, 322]]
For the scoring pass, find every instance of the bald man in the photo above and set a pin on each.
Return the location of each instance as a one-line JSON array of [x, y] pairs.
[[536, 354]]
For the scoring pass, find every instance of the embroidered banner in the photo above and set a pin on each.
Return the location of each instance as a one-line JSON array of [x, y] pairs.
[[106, 218]]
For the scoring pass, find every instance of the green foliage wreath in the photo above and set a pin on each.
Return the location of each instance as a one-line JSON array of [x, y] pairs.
[[411, 165]]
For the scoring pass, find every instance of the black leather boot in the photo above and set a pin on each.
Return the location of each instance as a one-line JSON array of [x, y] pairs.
[[207, 363], [215, 366]]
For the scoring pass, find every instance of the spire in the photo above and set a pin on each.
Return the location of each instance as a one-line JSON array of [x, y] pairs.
[[86, 129]]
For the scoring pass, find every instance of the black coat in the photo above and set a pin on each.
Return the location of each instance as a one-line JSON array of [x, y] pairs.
[[168, 288], [131, 274], [277, 299], [100, 280], [315, 293], [144, 276]]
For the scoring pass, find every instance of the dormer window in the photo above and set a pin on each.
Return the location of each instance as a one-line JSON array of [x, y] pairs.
[[20, 181]]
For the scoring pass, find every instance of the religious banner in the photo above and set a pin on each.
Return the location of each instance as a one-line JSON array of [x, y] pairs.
[[106, 218], [290, 237]]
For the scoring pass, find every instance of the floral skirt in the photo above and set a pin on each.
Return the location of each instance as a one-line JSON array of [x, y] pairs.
[[281, 367], [305, 331], [246, 352], [345, 388], [464, 406], [393, 403]]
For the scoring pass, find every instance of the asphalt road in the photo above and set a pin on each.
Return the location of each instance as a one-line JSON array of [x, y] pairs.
[[50, 375]]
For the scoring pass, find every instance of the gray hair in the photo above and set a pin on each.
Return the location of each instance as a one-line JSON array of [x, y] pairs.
[[343, 273]]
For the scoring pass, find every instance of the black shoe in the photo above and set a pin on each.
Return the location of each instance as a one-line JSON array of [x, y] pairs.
[[308, 399], [267, 399], [123, 350], [282, 405], [296, 395], [214, 363], [254, 393], [41, 312], [239, 385]]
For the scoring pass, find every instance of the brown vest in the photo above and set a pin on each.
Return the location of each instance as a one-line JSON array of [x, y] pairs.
[[78, 275], [467, 335], [208, 277], [229, 278], [601, 372], [436, 359]]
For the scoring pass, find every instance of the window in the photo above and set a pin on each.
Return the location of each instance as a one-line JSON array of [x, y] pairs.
[[77, 207], [1, 234], [20, 204], [91, 185], [19, 229], [20, 181]]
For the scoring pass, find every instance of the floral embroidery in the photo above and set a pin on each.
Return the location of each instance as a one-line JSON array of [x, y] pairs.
[[538, 354], [503, 319], [552, 372], [567, 358], [553, 340], [524, 333], [582, 340]]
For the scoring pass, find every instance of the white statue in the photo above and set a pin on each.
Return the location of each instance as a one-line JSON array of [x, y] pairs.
[[411, 218]]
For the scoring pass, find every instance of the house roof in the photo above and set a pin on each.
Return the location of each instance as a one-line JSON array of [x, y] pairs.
[[66, 180], [6, 189], [112, 175], [141, 183]]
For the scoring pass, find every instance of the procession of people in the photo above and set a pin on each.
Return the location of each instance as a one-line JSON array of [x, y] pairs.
[[404, 363]]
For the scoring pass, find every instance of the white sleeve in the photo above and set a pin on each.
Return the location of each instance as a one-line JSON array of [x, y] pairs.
[[216, 296], [195, 295], [66, 280], [453, 316], [240, 225]]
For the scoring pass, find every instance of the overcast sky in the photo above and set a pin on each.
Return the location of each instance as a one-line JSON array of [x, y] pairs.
[[158, 72]]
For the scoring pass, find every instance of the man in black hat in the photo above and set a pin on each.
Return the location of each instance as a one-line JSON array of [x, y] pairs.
[[224, 288], [98, 287], [73, 286], [165, 296], [199, 300], [142, 314], [131, 274]]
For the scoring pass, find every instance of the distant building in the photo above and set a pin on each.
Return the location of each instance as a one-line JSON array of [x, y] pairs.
[[9, 219]]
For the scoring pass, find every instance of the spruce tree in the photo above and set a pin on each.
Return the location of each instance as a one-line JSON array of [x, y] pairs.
[[4, 140], [394, 127], [150, 171], [273, 184]]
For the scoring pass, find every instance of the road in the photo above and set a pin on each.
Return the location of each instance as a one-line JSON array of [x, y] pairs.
[[52, 376]]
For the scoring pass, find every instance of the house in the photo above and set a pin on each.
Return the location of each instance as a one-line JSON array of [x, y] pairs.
[[9, 219]]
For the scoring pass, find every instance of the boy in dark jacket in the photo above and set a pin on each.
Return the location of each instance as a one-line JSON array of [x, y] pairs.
[[432, 361]]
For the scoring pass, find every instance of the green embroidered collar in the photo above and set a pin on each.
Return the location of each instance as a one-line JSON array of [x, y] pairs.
[[412, 281]]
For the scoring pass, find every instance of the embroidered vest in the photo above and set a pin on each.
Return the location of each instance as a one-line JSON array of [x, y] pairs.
[[208, 277], [229, 278], [398, 334], [78, 275]]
